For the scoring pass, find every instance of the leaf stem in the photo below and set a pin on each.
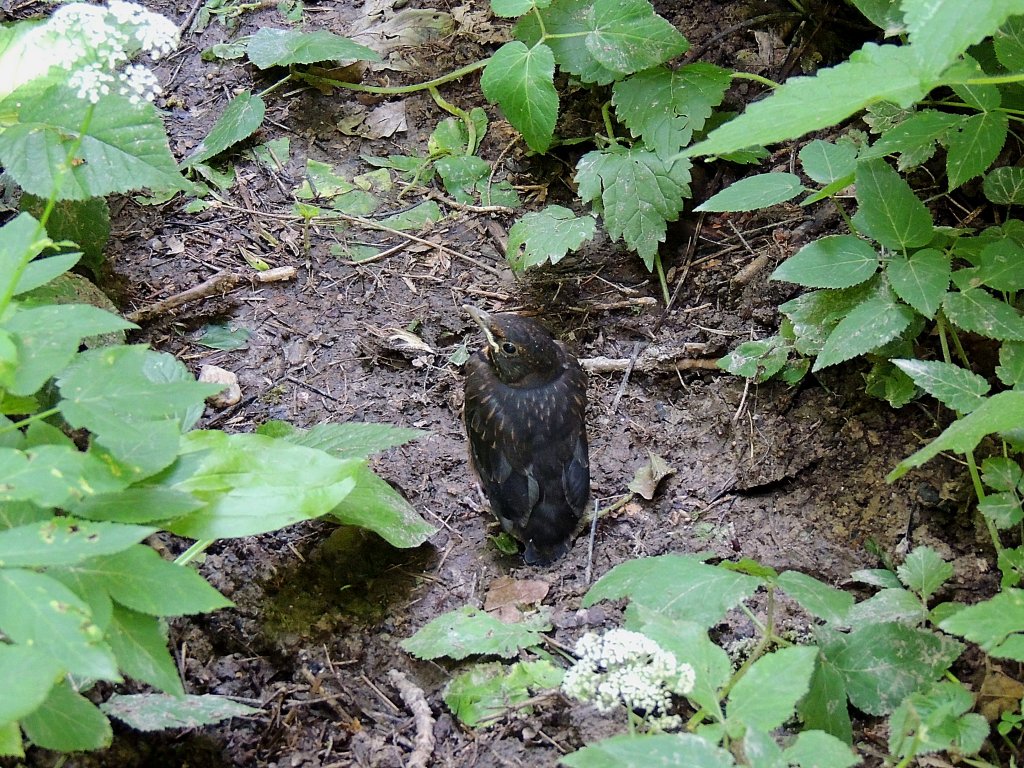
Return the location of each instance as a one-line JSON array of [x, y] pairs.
[[756, 78], [274, 87], [395, 90], [661, 279], [463, 115], [29, 420], [193, 552]]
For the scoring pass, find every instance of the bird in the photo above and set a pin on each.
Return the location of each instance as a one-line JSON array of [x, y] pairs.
[[525, 416]]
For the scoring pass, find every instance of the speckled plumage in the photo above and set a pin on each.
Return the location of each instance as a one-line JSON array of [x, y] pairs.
[[525, 414]]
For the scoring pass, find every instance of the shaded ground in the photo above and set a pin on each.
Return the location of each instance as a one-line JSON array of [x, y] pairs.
[[791, 477]]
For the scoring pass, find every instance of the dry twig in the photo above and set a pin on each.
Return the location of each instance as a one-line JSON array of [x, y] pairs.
[[220, 283], [416, 701]]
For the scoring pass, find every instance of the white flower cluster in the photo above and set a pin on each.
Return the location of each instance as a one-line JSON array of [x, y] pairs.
[[628, 668], [94, 44]]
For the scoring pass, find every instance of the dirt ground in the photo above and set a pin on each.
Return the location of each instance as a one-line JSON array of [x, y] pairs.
[[793, 478]]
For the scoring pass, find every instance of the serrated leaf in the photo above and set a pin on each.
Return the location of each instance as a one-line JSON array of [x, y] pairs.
[[666, 106], [935, 720], [42, 271], [85, 222], [1001, 266], [882, 664], [978, 311], [834, 261], [1011, 364], [817, 598], [139, 504], [281, 47], [48, 337], [21, 239], [38, 610], [679, 586], [754, 192], [510, 9], [888, 605], [824, 707], [1008, 42], [628, 36], [804, 104], [826, 162], [817, 749], [765, 697], [241, 118], [461, 174], [940, 31], [28, 676], [67, 722], [1001, 473], [547, 235], [1005, 186], [957, 388], [757, 360], [564, 27], [670, 750], [915, 138], [876, 577], [376, 506], [140, 579], [123, 148], [815, 314], [920, 280], [991, 623], [872, 323], [469, 631], [521, 81], [1003, 509], [887, 382], [1002, 411], [252, 484], [160, 712], [973, 148], [140, 644], [488, 691], [888, 210], [353, 440], [638, 195], [64, 541]]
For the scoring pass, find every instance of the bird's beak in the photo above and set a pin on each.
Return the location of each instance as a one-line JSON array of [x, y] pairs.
[[483, 319]]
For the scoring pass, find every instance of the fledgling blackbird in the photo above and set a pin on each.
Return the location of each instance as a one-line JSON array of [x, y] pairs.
[[525, 414]]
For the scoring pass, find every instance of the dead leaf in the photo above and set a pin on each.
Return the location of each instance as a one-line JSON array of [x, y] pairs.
[[999, 693], [508, 592], [386, 120], [646, 480]]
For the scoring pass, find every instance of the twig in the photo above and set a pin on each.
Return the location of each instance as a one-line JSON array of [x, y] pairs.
[[220, 283], [416, 701], [435, 195], [653, 357], [625, 377], [690, 248], [590, 546]]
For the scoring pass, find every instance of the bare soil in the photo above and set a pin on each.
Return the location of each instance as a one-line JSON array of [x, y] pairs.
[[791, 477]]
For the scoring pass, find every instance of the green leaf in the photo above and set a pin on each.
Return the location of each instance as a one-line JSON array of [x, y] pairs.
[[140, 504], [871, 324], [510, 9], [353, 440], [888, 210], [670, 750], [1001, 266], [1008, 43], [85, 222], [1005, 186], [936, 720], [1011, 364], [817, 749], [975, 146], [826, 162], [281, 47], [628, 36], [765, 697], [566, 25], [957, 388], [42, 271], [468, 631], [1002, 411], [21, 239], [38, 610], [224, 336], [889, 605], [140, 579], [757, 360], [815, 597], [242, 118], [677, 585], [978, 311], [815, 315], [804, 104], [915, 138], [755, 192], [124, 147], [376, 506], [52, 475], [925, 571], [824, 707], [488, 691], [140, 645], [461, 174], [882, 664], [1003, 509], [666, 106], [521, 81], [1001, 473], [995, 624], [252, 484], [941, 31], [159, 712], [835, 261], [28, 676], [67, 722], [547, 235], [64, 541], [638, 194], [48, 337], [920, 280]]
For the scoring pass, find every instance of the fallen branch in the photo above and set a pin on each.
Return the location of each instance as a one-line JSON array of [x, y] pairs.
[[653, 357], [220, 283], [416, 701]]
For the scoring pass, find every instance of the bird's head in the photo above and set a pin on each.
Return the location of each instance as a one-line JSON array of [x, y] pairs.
[[522, 352]]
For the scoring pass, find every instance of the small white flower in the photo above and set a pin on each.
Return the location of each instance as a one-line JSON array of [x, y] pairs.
[[91, 82], [138, 83]]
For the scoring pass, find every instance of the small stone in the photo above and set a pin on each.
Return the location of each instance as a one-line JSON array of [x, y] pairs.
[[231, 393]]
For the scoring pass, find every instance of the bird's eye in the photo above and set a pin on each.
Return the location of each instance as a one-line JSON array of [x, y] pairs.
[[509, 348]]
